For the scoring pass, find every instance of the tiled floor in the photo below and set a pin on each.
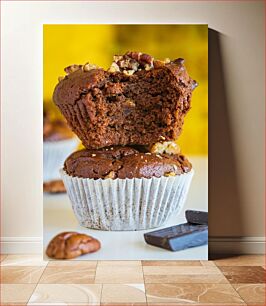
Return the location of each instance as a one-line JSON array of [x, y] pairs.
[[28, 280]]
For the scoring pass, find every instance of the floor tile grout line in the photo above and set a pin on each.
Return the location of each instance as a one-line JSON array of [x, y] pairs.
[[174, 283], [36, 284], [214, 263], [71, 267], [144, 283], [252, 303], [23, 283], [100, 283], [28, 255], [97, 262], [220, 273], [194, 266], [237, 293], [238, 283], [130, 283], [101, 293], [134, 283]]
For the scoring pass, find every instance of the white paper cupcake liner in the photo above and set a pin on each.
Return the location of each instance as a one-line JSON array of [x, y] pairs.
[[126, 204], [54, 155]]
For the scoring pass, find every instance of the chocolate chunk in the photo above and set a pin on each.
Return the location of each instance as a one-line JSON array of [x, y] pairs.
[[72, 68], [197, 217], [178, 237]]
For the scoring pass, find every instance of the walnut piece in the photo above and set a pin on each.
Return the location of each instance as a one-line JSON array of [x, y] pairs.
[[131, 62], [69, 245], [110, 175], [88, 67], [114, 67], [128, 63], [167, 147], [128, 72], [72, 68]]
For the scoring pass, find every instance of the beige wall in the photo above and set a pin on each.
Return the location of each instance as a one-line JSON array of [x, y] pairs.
[[236, 105]]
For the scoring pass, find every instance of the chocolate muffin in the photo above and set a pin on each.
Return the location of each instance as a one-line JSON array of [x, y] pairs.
[[138, 101], [121, 188], [124, 162]]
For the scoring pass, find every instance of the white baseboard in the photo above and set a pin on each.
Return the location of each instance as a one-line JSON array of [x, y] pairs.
[[21, 245], [237, 245], [217, 245]]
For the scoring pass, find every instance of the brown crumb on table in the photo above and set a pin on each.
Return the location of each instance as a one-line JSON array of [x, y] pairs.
[[55, 186]]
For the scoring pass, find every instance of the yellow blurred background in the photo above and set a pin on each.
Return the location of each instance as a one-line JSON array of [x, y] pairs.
[[77, 44]]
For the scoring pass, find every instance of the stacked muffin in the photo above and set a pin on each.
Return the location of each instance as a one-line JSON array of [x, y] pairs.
[[131, 175]]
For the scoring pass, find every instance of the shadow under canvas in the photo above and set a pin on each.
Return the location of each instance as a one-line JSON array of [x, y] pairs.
[[225, 215]]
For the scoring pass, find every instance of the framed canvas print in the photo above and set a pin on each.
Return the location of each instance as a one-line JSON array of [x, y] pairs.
[[125, 141]]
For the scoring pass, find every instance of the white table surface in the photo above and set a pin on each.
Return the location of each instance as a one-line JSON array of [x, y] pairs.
[[129, 245]]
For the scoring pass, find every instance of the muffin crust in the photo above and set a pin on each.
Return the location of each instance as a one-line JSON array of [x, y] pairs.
[[124, 162]]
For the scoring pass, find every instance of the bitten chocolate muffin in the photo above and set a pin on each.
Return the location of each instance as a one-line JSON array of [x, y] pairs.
[[124, 162], [138, 101]]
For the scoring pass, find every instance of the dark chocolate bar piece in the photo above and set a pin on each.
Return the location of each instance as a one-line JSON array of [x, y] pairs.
[[178, 237], [196, 216]]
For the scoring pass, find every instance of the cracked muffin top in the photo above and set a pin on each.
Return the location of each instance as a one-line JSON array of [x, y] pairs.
[[124, 162]]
